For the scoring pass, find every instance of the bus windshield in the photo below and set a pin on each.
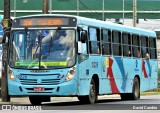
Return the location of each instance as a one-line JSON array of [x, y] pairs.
[[42, 49]]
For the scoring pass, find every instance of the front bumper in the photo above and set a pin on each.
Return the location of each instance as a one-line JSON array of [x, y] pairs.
[[63, 89]]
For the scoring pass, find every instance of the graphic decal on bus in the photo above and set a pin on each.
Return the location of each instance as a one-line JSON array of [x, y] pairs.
[[121, 68], [149, 67], [94, 64], [137, 68], [113, 85], [105, 64], [60, 76], [144, 69]]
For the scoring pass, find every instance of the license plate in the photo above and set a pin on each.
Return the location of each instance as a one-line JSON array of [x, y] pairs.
[[38, 88]]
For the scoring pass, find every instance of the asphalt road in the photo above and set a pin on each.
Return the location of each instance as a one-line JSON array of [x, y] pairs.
[[147, 104], [108, 104]]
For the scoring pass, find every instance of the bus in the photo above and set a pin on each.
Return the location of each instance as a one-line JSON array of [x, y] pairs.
[[54, 55]]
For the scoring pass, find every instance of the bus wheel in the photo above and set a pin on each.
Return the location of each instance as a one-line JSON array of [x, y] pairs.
[[136, 90], [92, 97], [35, 100]]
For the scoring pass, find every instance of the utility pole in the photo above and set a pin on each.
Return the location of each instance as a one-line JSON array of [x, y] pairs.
[[45, 7], [15, 3], [123, 12], [50, 6], [134, 12], [77, 7], [15, 8], [103, 10], [6, 36]]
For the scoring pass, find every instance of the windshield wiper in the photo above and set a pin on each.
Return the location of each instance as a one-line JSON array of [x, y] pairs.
[[53, 37], [38, 46]]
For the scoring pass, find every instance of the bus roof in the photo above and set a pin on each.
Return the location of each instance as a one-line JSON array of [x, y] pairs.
[[102, 24], [114, 26]]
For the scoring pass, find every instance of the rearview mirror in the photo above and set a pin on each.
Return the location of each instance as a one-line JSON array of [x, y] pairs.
[[84, 36]]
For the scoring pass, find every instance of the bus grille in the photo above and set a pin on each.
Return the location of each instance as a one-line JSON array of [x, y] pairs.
[[39, 82]]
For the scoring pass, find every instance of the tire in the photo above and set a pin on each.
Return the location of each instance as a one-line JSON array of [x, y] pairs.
[[35, 100], [92, 97], [135, 91]]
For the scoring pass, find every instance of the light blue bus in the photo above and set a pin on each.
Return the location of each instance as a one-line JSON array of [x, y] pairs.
[[63, 55]]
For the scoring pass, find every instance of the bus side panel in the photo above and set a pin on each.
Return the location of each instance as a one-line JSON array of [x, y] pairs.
[[83, 78], [104, 80], [115, 73], [153, 74], [116, 77], [88, 68], [146, 73], [95, 66], [132, 68]]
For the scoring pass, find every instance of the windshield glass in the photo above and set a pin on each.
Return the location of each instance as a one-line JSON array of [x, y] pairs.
[[35, 49]]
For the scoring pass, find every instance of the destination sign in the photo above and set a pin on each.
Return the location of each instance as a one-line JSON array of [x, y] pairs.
[[44, 22]]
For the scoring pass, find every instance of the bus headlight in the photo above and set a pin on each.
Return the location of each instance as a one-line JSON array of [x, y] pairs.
[[11, 75], [70, 74]]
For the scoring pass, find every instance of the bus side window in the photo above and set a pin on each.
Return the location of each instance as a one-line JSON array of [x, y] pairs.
[[152, 48], [106, 42], [116, 43], [144, 47], [144, 52], [136, 46], [94, 40], [126, 41]]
